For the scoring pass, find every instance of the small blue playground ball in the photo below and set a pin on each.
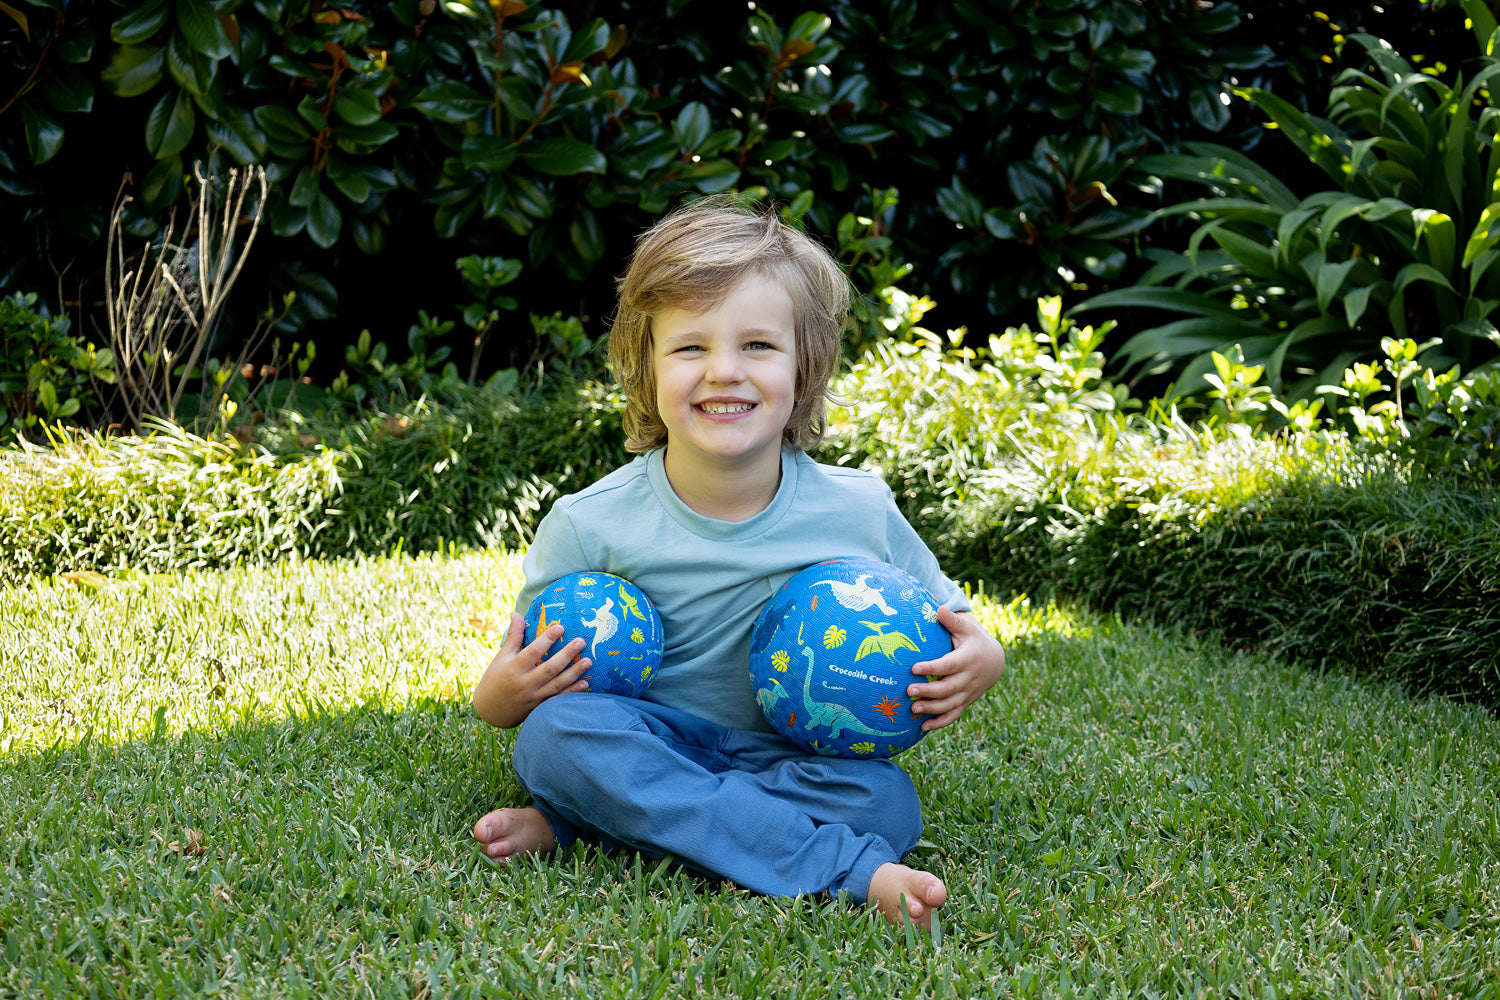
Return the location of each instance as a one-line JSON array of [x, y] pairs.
[[615, 617], [831, 657]]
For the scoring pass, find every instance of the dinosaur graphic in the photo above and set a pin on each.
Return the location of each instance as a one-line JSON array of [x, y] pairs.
[[884, 642], [857, 596], [768, 697], [604, 623], [826, 713], [629, 604]]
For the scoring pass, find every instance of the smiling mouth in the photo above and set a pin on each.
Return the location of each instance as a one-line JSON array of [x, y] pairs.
[[725, 407]]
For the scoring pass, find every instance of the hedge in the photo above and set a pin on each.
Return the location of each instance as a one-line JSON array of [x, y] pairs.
[[1023, 471]]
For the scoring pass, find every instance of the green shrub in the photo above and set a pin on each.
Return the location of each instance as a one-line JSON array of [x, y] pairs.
[[1025, 470], [478, 470], [169, 500], [46, 373]]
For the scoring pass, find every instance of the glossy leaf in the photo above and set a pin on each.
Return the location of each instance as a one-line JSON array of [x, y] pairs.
[[163, 183], [357, 107], [44, 133], [324, 221], [139, 22], [562, 156], [67, 89], [586, 42], [170, 125], [488, 152], [281, 124], [192, 70], [451, 101], [134, 69], [305, 190], [587, 235], [693, 125], [712, 176], [200, 25]]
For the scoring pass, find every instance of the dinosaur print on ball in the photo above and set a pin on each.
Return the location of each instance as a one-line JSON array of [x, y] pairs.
[[614, 617], [831, 657]]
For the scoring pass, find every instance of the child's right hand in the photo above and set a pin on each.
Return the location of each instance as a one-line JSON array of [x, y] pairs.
[[518, 679]]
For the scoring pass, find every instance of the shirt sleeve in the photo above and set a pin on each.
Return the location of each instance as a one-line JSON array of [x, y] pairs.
[[906, 549], [556, 551]]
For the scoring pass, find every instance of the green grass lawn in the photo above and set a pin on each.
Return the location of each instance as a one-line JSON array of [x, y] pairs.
[[260, 783]]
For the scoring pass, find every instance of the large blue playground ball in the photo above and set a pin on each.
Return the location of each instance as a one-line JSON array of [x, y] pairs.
[[831, 657], [615, 617]]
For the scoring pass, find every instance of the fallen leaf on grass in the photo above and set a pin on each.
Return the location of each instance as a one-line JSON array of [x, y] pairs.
[[194, 846], [86, 578], [486, 625]]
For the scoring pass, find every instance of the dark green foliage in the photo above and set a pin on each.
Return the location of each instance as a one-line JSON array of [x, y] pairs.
[[552, 137], [503, 126], [1396, 239]]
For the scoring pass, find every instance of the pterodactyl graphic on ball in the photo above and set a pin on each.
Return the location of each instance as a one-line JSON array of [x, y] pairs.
[[884, 642]]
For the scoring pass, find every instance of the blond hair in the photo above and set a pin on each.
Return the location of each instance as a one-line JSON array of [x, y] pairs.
[[692, 259]]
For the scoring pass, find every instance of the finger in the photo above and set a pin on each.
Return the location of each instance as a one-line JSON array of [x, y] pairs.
[[536, 650], [940, 704], [570, 678], [952, 620], [940, 667], [941, 721], [515, 635], [933, 691], [558, 663]]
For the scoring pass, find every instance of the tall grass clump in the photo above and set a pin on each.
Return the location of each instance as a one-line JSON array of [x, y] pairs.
[[477, 468], [167, 500]]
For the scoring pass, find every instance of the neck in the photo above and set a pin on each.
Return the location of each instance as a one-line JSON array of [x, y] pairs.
[[729, 493]]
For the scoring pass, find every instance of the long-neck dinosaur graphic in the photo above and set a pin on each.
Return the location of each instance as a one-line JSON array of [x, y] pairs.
[[826, 713]]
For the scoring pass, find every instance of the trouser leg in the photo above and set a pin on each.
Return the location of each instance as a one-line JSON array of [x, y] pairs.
[[745, 806]]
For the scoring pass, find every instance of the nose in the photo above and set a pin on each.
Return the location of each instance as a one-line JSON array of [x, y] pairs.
[[724, 368]]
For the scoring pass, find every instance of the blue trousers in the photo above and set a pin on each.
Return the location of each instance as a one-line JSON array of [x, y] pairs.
[[744, 806]]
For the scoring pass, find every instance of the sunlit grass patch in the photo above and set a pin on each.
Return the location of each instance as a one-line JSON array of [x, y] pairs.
[[172, 652]]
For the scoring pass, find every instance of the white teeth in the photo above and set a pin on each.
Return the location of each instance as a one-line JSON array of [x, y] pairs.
[[724, 407]]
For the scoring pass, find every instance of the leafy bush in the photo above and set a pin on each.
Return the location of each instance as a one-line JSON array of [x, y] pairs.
[[498, 124], [479, 470], [552, 138], [1401, 245], [476, 470], [46, 373], [167, 501], [1027, 471]]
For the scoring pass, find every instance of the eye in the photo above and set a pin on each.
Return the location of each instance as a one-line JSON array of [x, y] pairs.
[[760, 345]]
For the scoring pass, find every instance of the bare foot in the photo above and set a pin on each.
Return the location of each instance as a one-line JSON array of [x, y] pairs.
[[514, 833], [923, 892]]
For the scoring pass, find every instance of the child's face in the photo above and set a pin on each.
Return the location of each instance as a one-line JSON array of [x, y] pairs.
[[726, 379]]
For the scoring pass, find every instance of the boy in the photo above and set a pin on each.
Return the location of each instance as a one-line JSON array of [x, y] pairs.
[[725, 341]]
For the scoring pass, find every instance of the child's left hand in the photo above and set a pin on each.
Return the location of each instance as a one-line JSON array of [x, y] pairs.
[[962, 675]]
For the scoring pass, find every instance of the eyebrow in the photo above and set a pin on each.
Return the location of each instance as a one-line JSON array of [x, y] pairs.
[[750, 333]]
